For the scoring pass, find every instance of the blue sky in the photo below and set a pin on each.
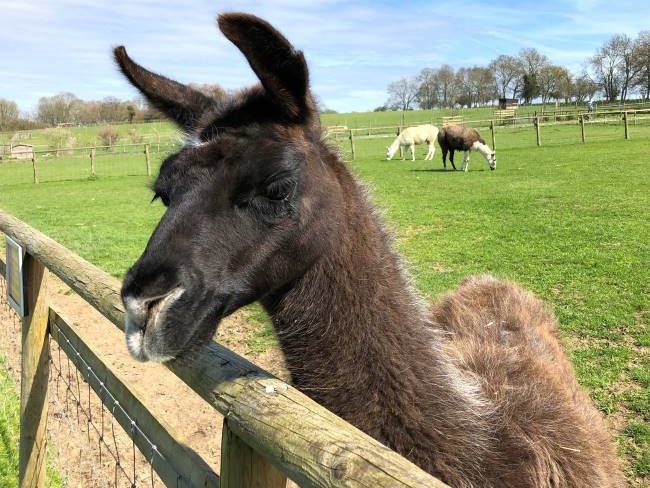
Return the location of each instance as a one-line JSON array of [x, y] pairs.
[[354, 48]]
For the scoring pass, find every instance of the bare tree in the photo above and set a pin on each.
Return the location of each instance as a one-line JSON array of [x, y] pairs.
[[465, 96], [57, 109], [642, 61], [564, 89], [628, 51], [112, 109], [428, 89], [8, 114], [447, 86], [402, 93], [533, 61], [485, 85], [211, 89], [609, 67], [584, 88], [508, 72], [554, 83]]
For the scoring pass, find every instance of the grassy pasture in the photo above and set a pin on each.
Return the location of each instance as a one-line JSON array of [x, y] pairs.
[[568, 221]]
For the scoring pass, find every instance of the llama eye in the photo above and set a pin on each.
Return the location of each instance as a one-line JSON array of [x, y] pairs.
[[280, 189]]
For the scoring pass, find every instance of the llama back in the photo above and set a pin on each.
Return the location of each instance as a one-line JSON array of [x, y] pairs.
[[506, 339]]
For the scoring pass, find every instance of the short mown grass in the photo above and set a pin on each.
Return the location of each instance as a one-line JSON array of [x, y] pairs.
[[566, 220]]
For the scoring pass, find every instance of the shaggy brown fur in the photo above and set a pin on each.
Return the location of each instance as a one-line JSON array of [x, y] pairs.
[[457, 138], [477, 390]]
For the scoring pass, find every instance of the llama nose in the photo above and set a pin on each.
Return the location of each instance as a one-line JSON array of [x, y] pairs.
[[136, 312]]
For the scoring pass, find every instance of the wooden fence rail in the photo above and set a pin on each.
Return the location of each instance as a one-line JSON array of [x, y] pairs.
[[537, 122], [269, 426]]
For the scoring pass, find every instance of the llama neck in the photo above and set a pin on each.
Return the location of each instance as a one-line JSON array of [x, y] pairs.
[[355, 336], [392, 149], [484, 149]]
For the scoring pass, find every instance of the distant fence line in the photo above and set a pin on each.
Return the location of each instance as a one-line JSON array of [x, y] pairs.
[[153, 139], [90, 154], [536, 122], [136, 158]]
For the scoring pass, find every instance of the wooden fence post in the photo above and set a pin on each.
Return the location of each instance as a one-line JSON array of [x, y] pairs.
[[92, 161], [34, 171], [537, 131], [401, 149], [627, 131], [352, 145], [147, 158], [582, 127], [34, 378], [494, 139], [243, 467]]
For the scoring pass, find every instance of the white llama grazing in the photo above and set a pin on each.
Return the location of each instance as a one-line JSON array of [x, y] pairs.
[[412, 136]]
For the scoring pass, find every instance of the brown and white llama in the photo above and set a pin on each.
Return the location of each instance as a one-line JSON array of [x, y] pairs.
[[411, 136], [476, 389], [459, 138]]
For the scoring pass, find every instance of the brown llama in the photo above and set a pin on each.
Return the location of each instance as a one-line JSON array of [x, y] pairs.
[[476, 391], [459, 138]]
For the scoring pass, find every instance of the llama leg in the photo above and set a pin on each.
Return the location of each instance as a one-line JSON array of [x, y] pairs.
[[466, 161], [451, 159], [444, 158], [413, 152]]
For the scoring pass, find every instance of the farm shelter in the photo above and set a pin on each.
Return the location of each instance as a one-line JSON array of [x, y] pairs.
[[508, 103], [22, 151]]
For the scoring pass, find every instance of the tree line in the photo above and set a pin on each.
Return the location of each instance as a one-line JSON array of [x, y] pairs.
[[618, 68], [67, 109]]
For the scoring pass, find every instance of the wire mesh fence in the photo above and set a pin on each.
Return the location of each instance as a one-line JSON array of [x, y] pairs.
[[85, 163], [87, 445]]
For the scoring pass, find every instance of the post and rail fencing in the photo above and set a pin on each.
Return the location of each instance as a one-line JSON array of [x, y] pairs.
[[81, 163], [536, 122], [271, 431]]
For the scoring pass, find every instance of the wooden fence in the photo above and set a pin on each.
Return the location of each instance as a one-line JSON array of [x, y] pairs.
[[271, 431], [535, 122]]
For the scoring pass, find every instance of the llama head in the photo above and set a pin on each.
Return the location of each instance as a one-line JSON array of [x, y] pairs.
[[492, 160], [247, 200]]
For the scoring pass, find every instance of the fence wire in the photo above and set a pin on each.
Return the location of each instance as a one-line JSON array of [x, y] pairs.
[[370, 144], [87, 445], [84, 163]]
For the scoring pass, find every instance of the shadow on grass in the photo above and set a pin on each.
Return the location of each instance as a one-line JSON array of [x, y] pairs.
[[434, 170]]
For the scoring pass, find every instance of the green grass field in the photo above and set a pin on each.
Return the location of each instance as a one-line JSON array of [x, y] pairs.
[[566, 220]]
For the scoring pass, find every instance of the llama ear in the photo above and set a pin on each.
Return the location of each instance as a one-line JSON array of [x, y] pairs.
[[181, 103], [281, 69]]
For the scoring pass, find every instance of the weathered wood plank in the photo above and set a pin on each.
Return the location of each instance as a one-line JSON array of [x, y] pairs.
[[243, 467], [34, 376], [308, 443], [170, 458]]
